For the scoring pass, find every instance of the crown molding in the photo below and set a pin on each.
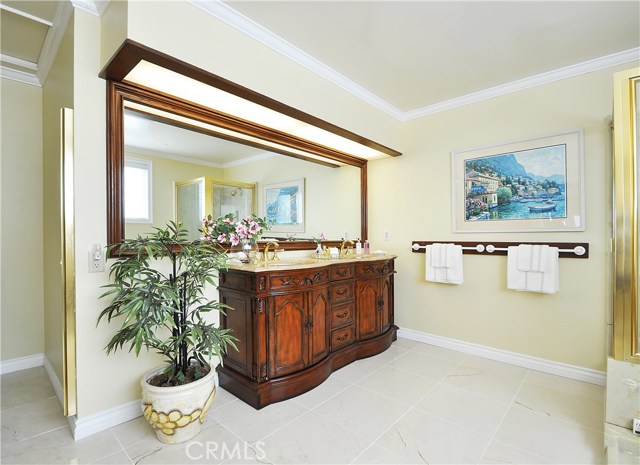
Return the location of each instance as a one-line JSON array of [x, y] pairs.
[[94, 7], [53, 39], [20, 76], [527, 83], [249, 27]]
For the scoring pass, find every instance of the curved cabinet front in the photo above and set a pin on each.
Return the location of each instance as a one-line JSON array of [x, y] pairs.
[[296, 326]]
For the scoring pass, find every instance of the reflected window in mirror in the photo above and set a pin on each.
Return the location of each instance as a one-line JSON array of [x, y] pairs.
[[138, 183]]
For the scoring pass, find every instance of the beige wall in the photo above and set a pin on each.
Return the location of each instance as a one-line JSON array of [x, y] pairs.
[[408, 196], [568, 327], [57, 94], [21, 229]]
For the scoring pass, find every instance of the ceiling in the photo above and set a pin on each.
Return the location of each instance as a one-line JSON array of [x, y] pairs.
[[407, 58]]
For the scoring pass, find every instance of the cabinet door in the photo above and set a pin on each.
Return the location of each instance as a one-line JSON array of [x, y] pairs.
[[287, 334], [318, 327], [240, 320], [385, 303], [367, 308]]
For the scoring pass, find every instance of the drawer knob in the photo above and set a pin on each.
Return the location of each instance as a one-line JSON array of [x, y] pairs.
[[343, 314], [342, 291], [343, 338]]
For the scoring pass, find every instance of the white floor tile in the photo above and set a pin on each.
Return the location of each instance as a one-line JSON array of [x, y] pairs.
[[312, 439], [414, 403], [495, 384], [500, 453], [331, 387], [562, 404], [423, 365], [376, 455], [213, 445], [423, 438], [31, 419], [464, 408], [250, 424], [25, 386], [58, 447], [558, 440], [398, 385], [440, 352], [362, 411]]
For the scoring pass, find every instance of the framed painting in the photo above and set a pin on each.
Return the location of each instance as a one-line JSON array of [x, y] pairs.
[[527, 185], [283, 204]]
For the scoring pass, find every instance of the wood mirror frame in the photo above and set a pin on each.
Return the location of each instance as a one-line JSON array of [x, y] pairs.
[[120, 92]]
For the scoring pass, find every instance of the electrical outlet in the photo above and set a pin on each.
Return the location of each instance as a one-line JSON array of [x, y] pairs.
[[387, 236], [96, 259]]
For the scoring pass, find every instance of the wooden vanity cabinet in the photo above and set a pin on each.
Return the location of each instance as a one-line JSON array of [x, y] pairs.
[[296, 326]]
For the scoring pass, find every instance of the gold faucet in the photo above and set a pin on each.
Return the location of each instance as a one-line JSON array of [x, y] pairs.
[[345, 242], [275, 251]]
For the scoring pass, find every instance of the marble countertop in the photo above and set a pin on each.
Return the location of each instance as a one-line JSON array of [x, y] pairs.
[[296, 263]]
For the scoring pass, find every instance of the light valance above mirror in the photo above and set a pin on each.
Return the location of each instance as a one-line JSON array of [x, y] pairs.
[[290, 132]]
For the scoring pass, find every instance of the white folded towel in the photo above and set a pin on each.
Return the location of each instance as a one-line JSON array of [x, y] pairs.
[[537, 271], [532, 257], [444, 263]]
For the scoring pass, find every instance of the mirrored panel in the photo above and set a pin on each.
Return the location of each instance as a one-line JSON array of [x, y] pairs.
[[192, 174]]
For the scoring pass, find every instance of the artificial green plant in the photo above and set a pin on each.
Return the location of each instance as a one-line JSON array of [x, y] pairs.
[[165, 312]]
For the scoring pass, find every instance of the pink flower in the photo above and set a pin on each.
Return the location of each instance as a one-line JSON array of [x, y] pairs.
[[242, 230], [235, 240]]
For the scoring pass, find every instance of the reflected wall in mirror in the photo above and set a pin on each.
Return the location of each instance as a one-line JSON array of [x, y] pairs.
[[195, 174]]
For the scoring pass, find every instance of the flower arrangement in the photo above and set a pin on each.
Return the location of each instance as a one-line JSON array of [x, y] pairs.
[[229, 230]]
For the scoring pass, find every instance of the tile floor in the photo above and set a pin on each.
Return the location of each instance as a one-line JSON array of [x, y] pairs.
[[414, 403]]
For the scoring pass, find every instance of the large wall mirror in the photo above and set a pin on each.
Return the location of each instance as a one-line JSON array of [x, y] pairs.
[[190, 174], [173, 138]]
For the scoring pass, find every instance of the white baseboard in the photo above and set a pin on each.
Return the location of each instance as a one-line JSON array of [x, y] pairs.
[[55, 382], [21, 363], [106, 419], [539, 364]]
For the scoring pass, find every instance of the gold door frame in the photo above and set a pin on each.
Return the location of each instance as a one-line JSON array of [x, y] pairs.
[[626, 251], [68, 262]]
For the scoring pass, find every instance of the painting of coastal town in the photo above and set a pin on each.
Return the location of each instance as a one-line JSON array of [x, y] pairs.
[[519, 185]]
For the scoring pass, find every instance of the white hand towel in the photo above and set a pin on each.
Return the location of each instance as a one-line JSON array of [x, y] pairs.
[[545, 279], [551, 279], [516, 278], [443, 263], [532, 257], [455, 271], [437, 255]]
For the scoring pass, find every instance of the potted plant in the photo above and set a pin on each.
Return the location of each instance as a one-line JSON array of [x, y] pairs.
[[165, 312]]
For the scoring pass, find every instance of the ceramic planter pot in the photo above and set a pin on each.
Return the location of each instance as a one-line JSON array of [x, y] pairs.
[[177, 413]]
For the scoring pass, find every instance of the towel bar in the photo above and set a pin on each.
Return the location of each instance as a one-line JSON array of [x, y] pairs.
[[565, 249]]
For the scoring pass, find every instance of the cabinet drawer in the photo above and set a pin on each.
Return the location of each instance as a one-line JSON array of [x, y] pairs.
[[342, 315], [341, 291], [298, 279], [339, 272], [342, 337], [374, 268]]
